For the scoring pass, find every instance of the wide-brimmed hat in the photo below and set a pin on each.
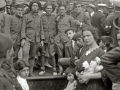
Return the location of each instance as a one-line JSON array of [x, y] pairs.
[[35, 1], [47, 4], [2, 4]]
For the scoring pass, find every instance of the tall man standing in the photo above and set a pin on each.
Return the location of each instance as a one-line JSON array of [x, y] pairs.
[[32, 34]]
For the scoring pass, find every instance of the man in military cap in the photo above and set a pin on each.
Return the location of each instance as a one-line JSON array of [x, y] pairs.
[[98, 19], [32, 34]]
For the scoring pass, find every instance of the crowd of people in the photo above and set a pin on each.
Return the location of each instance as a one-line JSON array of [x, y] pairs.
[[80, 40]]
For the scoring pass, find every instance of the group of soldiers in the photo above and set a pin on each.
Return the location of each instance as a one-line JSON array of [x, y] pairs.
[[43, 29]]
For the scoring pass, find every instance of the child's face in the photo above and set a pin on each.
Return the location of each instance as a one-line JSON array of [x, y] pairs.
[[70, 34], [70, 77], [24, 72]]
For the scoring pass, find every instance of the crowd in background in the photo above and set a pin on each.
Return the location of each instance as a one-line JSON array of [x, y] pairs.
[[81, 40]]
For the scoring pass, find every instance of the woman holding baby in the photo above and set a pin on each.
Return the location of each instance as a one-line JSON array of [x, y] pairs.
[[94, 80]]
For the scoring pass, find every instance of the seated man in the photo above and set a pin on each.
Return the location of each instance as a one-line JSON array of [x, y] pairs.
[[71, 48]]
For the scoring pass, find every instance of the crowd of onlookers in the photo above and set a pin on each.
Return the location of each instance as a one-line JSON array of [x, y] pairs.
[[81, 40]]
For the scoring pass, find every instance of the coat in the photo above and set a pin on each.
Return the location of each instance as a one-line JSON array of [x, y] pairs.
[[49, 27], [98, 21], [111, 64], [15, 28], [32, 28]]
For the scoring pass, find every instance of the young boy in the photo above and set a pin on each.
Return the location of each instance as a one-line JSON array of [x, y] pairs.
[[71, 49]]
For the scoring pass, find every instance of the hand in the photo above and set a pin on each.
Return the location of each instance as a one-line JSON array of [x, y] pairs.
[[84, 78], [41, 43], [23, 42]]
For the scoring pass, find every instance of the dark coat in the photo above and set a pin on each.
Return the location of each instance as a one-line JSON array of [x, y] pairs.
[[32, 28], [111, 64], [98, 21], [49, 27]]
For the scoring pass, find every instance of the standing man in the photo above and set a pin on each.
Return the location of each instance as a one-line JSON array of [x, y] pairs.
[[49, 28], [32, 34], [98, 19], [15, 29], [63, 22]]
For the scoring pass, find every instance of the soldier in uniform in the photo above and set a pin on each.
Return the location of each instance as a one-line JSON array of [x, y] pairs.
[[15, 28], [63, 22], [32, 34], [49, 28]]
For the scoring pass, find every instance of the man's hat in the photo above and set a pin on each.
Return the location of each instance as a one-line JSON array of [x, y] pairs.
[[2, 4], [19, 6], [107, 39], [101, 5], [91, 6]]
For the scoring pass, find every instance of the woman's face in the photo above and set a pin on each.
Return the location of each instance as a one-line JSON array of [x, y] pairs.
[[88, 38], [24, 72]]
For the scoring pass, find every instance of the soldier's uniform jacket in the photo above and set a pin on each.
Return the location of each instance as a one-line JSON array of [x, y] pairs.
[[64, 22], [15, 28], [4, 23], [32, 28], [49, 27]]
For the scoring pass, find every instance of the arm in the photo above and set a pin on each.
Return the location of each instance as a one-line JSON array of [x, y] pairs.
[[110, 62]]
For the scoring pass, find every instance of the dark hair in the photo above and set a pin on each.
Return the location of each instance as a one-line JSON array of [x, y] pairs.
[[70, 29], [20, 65], [62, 5], [49, 4], [35, 1], [93, 30]]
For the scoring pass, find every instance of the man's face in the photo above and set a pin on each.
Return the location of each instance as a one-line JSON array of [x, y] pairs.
[[78, 8], [62, 10], [13, 10], [70, 34], [70, 6], [118, 38], [79, 42], [49, 9], [19, 11], [35, 7]]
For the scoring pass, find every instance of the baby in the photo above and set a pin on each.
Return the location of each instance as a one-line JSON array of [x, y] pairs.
[[93, 67]]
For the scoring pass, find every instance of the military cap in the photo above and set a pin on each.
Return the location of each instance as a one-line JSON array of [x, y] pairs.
[[47, 4], [101, 5], [91, 6], [6, 44], [2, 4], [19, 6]]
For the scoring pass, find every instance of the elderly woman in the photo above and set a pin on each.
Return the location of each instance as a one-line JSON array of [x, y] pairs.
[[49, 28], [90, 81]]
